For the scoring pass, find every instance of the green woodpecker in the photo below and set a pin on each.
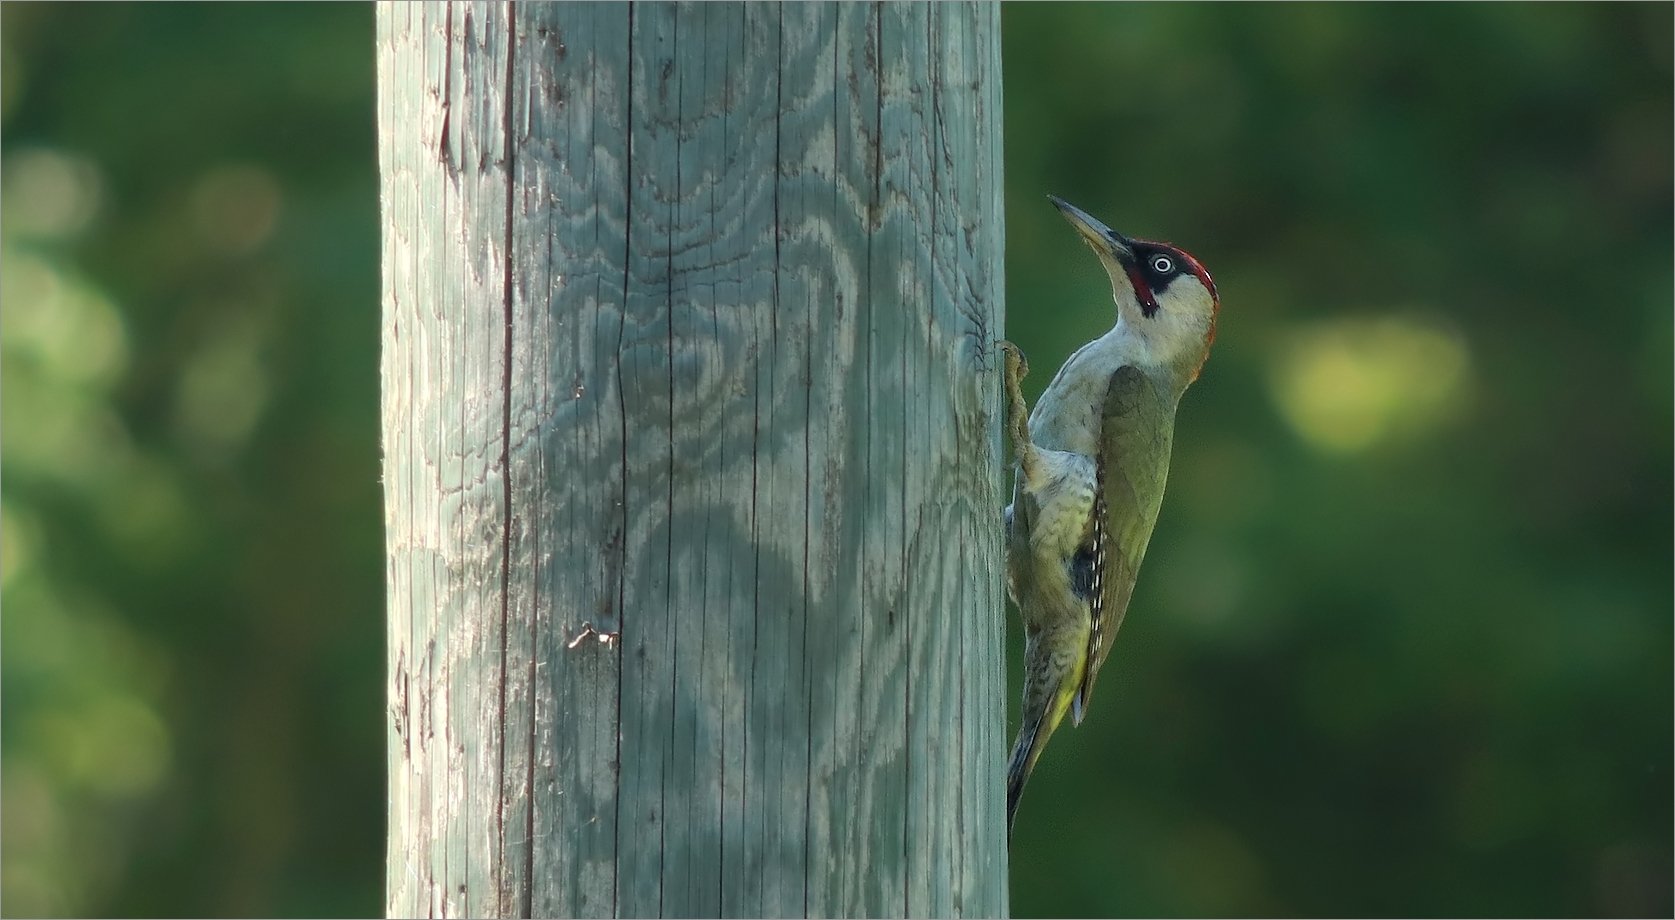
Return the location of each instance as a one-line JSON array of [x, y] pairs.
[[1091, 463]]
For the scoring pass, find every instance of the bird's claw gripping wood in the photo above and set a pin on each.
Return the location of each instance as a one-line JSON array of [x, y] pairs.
[[1091, 464], [1017, 413]]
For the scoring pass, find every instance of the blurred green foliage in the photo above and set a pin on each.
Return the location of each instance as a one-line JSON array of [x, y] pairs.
[[193, 551], [1403, 641]]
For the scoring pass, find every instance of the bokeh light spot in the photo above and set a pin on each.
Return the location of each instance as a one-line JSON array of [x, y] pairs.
[[36, 871], [64, 348], [235, 208], [115, 746], [222, 391], [146, 515], [48, 193], [65, 327], [1346, 385]]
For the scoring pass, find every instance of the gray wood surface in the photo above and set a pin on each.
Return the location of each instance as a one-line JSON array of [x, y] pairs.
[[692, 459]]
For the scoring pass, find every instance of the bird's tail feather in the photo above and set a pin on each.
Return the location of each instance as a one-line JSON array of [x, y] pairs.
[[1024, 753], [1044, 709]]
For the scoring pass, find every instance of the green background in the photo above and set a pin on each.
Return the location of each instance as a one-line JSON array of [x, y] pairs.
[[1402, 644]]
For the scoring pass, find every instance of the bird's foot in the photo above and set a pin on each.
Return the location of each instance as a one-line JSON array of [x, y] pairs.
[[1017, 414]]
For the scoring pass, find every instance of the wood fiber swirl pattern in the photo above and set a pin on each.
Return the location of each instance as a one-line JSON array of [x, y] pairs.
[[692, 471]]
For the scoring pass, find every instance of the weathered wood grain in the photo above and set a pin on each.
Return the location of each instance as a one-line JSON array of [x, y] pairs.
[[691, 470]]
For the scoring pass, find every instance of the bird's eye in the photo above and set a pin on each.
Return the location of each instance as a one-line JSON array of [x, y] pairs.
[[1162, 264]]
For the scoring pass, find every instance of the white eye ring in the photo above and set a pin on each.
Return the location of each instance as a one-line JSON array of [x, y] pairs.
[[1163, 265]]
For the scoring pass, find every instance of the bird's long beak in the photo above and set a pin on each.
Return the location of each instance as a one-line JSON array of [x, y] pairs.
[[1103, 239]]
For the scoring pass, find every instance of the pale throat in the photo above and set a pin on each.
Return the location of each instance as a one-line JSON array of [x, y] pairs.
[[1167, 338]]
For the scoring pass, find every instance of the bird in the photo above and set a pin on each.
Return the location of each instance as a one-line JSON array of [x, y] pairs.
[[1091, 461]]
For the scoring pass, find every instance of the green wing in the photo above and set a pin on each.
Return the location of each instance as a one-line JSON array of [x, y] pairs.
[[1136, 430]]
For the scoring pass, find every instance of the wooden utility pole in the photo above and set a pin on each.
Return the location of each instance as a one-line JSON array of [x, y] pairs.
[[691, 459]]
